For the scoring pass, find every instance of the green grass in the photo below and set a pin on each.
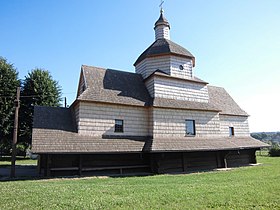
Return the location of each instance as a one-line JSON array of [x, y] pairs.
[[6, 161], [242, 188]]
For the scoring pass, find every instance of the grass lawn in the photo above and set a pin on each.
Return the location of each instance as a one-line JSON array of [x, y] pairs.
[[242, 188], [6, 161]]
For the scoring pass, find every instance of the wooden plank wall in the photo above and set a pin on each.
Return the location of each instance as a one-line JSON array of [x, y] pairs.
[[158, 163], [195, 161], [77, 164]]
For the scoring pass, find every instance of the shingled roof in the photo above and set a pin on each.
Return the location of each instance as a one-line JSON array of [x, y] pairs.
[[203, 144], [180, 104], [219, 97], [164, 74], [53, 118], [162, 21], [113, 86], [162, 47]]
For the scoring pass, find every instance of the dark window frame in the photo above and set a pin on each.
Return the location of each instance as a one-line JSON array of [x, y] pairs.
[[193, 133], [119, 128], [231, 131]]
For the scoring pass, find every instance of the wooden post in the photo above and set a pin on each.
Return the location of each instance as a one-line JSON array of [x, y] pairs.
[[14, 152], [39, 168], [253, 157], [184, 162], [80, 164], [218, 160], [45, 165], [48, 172]]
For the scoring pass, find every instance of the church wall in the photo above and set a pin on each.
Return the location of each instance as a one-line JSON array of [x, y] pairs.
[[76, 113], [162, 32], [150, 87], [180, 90], [186, 73], [171, 123], [150, 65], [150, 122], [99, 119], [168, 64], [239, 123]]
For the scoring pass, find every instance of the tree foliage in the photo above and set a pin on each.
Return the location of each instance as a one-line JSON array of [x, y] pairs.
[[39, 88], [8, 85], [267, 136], [274, 150]]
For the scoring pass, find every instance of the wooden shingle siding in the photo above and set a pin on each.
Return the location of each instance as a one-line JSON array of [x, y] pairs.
[[171, 123], [168, 64], [150, 122], [179, 90], [149, 65], [150, 87], [99, 119], [162, 31], [76, 112], [186, 73], [239, 123]]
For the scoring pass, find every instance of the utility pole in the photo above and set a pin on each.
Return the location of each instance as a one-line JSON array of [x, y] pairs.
[[14, 152]]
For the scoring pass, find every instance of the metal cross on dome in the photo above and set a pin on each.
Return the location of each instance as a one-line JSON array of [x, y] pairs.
[[161, 3]]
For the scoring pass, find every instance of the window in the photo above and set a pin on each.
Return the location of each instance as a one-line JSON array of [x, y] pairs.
[[190, 127], [231, 131], [119, 126]]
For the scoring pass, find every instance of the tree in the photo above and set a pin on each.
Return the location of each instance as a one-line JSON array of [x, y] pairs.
[[39, 88], [8, 85]]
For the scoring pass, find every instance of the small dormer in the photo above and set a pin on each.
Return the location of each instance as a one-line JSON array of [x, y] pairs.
[[165, 55]]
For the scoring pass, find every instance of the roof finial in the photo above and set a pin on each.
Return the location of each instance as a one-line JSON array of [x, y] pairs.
[[161, 9]]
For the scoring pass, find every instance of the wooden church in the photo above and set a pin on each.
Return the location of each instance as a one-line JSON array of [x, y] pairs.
[[160, 119]]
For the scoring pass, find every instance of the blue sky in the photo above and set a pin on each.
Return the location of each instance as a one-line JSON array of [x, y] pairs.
[[236, 43]]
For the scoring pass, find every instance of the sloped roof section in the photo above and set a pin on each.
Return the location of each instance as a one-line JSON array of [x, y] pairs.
[[219, 97], [113, 86], [180, 104], [190, 144], [163, 74], [163, 47], [162, 21], [56, 118]]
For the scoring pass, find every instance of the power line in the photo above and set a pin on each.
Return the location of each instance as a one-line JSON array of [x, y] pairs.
[[30, 96], [34, 96]]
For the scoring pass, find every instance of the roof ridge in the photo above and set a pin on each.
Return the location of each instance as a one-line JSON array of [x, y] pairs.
[[103, 68]]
